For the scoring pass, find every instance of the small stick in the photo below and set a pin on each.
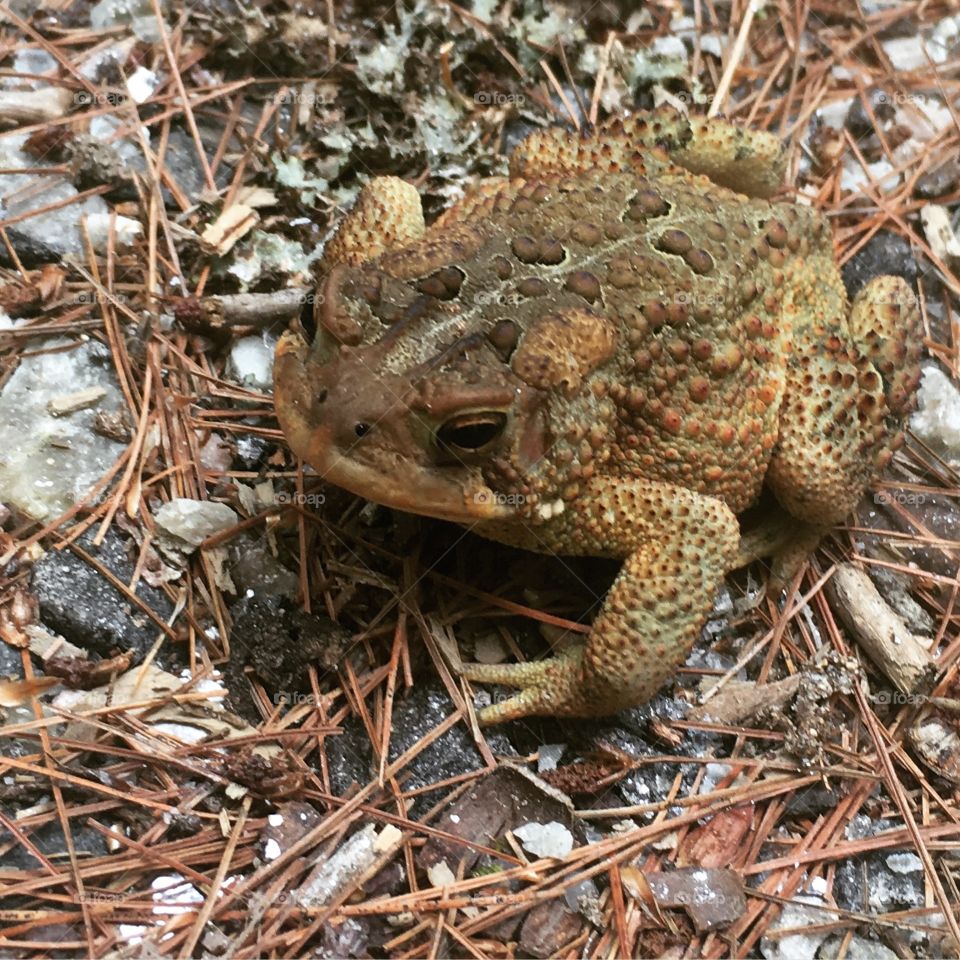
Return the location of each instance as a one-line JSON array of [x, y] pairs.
[[258, 310], [897, 653]]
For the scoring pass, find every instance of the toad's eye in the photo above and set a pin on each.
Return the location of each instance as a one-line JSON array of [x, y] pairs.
[[471, 432]]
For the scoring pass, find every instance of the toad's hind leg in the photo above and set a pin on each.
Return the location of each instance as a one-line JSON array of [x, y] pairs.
[[678, 545], [848, 387], [785, 539], [886, 326]]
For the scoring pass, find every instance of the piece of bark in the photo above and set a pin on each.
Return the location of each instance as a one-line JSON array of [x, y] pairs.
[[547, 928], [715, 843], [22, 107], [937, 743], [882, 634], [740, 700]]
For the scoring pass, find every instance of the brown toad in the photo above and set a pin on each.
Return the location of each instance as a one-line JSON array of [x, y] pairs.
[[607, 354]]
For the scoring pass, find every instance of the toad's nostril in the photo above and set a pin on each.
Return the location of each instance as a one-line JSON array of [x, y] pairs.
[[321, 395]]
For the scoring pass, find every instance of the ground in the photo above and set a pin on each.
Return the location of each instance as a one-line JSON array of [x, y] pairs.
[[166, 187]]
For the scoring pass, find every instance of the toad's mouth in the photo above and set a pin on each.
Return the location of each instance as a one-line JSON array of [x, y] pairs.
[[365, 466]]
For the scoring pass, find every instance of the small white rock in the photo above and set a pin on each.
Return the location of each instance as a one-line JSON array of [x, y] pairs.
[[938, 419], [879, 175], [440, 874], [141, 84], [194, 520], [905, 863], [545, 839], [99, 226], [271, 850], [251, 361], [549, 756]]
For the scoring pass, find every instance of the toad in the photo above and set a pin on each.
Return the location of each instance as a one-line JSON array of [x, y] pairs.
[[607, 353]]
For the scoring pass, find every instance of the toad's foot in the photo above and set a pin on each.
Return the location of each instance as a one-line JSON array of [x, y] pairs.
[[787, 541], [547, 687]]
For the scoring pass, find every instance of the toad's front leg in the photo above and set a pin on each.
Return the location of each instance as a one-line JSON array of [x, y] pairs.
[[677, 546]]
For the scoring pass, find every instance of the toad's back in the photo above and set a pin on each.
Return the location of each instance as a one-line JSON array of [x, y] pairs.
[[685, 282]]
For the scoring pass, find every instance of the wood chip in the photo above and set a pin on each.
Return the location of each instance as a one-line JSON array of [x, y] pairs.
[[232, 225], [20, 107], [68, 403], [740, 700], [884, 637], [939, 231]]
